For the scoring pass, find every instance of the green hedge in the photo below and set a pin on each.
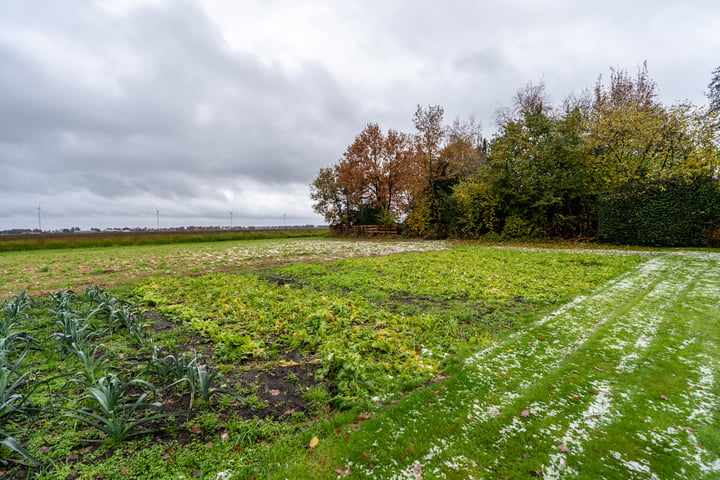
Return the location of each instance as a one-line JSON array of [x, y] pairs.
[[660, 212]]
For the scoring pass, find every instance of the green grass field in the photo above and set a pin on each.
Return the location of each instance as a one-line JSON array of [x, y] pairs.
[[386, 359]]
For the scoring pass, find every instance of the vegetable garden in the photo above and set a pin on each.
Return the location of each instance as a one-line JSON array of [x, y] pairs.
[[401, 360]]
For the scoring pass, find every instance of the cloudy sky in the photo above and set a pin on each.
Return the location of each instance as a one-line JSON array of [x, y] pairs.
[[112, 110]]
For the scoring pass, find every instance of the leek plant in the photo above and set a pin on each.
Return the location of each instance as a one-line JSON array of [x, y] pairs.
[[114, 411]]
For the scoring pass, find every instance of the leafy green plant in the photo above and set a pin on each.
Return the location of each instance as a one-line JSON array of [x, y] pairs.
[[131, 321], [180, 367], [75, 333], [205, 381], [116, 413], [14, 402], [92, 360], [12, 380], [116, 311], [62, 301], [345, 371], [13, 309]]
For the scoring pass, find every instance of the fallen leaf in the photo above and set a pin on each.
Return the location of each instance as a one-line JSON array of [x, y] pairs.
[[343, 472], [314, 442], [73, 456], [563, 448], [663, 397], [536, 473], [274, 392], [689, 429], [366, 455], [417, 470], [410, 452], [237, 448], [209, 444], [526, 455], [363, 416], [100, 476], [525, 413], [288, 363], [45, 449], [196, 429], [168, 453], [224, 436]]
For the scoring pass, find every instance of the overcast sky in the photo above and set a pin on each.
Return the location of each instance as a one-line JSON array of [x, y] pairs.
[[111, 110]]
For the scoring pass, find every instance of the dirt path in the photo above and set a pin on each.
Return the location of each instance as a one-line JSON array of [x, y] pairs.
[[620, 384]]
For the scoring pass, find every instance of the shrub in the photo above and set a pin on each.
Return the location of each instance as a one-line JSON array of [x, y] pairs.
[[517, 227], [661, 212]]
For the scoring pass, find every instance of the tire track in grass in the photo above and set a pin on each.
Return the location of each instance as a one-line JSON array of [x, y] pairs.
[[578, 410], [646, 324], [496, 374], [612, 328], [677, 431]]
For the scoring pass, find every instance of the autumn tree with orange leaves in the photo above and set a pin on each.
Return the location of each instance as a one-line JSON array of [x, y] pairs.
[[386, 177], [371, 170]]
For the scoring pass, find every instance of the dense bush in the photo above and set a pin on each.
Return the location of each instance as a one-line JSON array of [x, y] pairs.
[[661, 212]]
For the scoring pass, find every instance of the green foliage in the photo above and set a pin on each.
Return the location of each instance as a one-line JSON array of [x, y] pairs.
[[543, 172], [74, 333], [537, 169], [92, 360], [15, 401], [206, 381], [12, 311], [478, 207], [517, 227], [375, 325], [665, 211], [713, 92], [114, 411]]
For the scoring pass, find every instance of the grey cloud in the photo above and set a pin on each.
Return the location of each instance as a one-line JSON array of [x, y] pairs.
[[107, 113]]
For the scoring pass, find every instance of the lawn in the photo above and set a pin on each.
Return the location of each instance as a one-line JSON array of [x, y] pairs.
[[325, 359]]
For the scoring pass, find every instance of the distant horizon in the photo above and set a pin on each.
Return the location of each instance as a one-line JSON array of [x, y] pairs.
[[55, 225]]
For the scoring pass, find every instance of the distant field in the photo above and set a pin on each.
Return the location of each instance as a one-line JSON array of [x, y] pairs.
[[45, 241], [42, 271]]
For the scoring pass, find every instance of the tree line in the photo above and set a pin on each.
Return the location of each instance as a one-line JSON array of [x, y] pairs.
[[595, 166]]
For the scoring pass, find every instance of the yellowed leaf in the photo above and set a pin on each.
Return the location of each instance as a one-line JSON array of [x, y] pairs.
[[314, 442], [288, 363]]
